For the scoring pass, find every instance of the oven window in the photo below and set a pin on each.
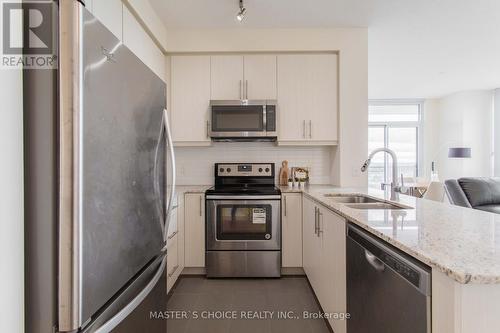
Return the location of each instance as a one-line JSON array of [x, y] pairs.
[[247, 118], [244, 222]]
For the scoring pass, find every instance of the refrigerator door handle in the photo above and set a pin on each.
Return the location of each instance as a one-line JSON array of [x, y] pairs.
[[127, 310], [156, 178], [172, 186]]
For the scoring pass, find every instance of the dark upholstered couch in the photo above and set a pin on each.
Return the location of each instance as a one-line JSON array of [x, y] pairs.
[[477, 193]]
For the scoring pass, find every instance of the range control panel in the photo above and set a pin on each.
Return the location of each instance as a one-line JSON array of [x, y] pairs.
[[244, 170]]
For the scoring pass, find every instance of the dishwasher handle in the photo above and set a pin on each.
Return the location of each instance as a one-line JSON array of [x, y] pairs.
[[374, 261]]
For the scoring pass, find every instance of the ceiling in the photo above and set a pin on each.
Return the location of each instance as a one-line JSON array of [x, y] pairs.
[[417, 48]]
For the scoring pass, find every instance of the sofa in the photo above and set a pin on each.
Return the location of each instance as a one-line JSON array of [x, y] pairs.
[[479, 193]]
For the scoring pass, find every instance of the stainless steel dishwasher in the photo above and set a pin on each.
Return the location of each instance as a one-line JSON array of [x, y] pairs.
[[387, 291]]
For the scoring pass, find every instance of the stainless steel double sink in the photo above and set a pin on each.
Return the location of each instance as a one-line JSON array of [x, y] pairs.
[[358, 201]]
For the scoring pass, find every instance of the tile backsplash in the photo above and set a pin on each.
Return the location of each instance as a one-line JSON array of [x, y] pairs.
[[195, 165]]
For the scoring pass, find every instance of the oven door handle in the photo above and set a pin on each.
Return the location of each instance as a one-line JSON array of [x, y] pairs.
[[243, 197]]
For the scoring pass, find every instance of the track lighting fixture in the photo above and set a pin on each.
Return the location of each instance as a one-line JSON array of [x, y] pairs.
[[241, 13]]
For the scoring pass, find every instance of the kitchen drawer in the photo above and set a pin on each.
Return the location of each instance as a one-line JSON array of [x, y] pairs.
[[173, 265]]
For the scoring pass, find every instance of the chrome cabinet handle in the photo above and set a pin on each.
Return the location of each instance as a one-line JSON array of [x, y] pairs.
[[284, 204], [241, 90], [173, 234], [374, 261], [310, 129], [320, 215], [246, 89], [173, 271], [315, 220], [208, 129], [304, 129]]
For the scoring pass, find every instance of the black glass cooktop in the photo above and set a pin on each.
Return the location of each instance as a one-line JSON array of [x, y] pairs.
[[244, 190]]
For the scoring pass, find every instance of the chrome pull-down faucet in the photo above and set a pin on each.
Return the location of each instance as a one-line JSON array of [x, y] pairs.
[[395, 187]]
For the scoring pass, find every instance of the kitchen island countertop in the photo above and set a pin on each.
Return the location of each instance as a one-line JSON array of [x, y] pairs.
[[462, 243]]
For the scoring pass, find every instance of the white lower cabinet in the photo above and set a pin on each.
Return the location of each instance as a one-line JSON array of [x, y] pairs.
[[175, 246], [291, 230], [173, 264], [324, 258], [194, 226]]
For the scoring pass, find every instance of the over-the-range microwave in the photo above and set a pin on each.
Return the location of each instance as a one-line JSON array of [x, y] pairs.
[[243, 120]]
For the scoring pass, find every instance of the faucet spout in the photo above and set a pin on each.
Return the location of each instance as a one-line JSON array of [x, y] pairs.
[[395, 188]]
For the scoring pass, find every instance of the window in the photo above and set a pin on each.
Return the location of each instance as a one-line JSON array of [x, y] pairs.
[[395, 125]]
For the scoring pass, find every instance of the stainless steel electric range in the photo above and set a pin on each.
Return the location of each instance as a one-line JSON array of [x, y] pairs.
[[243, 222]]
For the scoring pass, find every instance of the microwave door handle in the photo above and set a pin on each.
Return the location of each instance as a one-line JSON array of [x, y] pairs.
[[264, 118]]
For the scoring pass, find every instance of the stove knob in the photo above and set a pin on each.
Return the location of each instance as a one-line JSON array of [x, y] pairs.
[[228, 169], [260, 169], [221, 170], [267, 169]]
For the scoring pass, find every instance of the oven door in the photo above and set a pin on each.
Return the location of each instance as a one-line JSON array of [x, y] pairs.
[[230, 120], [243, 224]]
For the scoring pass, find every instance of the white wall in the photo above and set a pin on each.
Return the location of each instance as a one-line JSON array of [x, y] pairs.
[[195, 165], [137, 26], [11, 203], [352, 46], [462, 119], [496, 135]]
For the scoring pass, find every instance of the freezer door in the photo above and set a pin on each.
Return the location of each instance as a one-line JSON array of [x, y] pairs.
[[137, 309], [111, 215]]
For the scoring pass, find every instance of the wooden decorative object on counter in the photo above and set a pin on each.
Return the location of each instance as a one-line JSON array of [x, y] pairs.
[[284, 173]]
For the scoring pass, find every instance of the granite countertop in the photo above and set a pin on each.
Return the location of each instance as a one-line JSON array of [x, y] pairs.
[[182, 189], [460, 242]]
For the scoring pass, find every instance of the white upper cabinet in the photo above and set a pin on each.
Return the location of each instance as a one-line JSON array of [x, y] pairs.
[[109, 12], [227, 77], [139, 42], [260, 76], [237, 77], [190, 98], [305, 86], [308, 98]]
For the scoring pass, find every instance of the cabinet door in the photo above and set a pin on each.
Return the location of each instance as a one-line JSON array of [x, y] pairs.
[[226, 77], [260, 77], [307, 98], [333, 275], [109, 12], [311, 244], [194, 226], [323, 101], [292, 84], [190, 97], [173, 267], [291, 227]]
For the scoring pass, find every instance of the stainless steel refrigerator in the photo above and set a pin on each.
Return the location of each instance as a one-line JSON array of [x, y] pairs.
[[99, 185]]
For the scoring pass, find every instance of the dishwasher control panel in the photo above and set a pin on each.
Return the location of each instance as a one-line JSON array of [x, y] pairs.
[[411, 275]]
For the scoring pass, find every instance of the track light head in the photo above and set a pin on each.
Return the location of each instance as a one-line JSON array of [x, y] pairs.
[[241, 13]]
